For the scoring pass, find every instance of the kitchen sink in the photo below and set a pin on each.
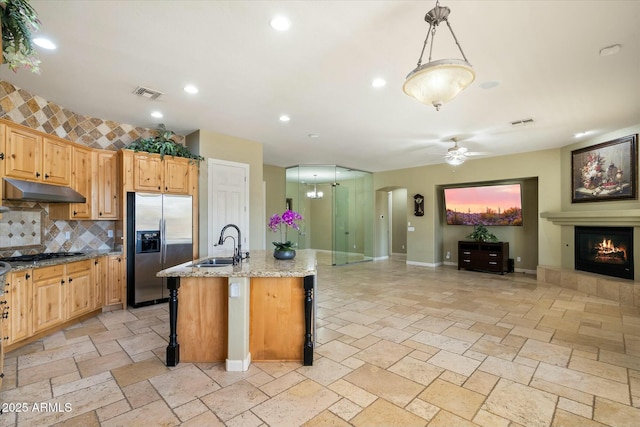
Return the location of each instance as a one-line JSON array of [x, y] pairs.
[[219, 261]]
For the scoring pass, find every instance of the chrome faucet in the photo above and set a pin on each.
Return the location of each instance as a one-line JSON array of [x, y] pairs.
[[237, 252]]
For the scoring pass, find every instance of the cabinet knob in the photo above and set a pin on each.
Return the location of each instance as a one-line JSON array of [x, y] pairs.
[[3, 302], [75, 213], [1, 374], [27, 276], [46, 176], [37, 174], [99, 213], [1, 156], [70, 280], [95, 262]]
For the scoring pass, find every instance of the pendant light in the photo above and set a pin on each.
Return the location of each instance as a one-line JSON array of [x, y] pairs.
[[437, 82], [315, 194]]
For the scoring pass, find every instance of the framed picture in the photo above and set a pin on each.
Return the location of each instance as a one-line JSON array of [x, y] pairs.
[[607, 171]]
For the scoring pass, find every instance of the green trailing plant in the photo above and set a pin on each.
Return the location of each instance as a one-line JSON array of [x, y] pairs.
[[481, 234], [162, 143], [19, 20]]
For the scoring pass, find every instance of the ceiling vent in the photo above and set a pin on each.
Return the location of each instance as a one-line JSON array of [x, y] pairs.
[[145, 92], [522, 122]]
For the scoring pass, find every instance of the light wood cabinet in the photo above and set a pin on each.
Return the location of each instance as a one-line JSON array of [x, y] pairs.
[[105, 189], [114, 290], [56, 161], [81, 181], [79, 289], [30, 156], [99, 280], [176, 175], [19, 314], [146, 172], [48, 297]]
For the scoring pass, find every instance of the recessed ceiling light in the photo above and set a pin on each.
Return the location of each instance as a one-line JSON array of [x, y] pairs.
[[314, 135], [157, 114], [581, 134], [44, 43], [378, 82], [610, 50], [190, 89], [284, 118], [280, 23]]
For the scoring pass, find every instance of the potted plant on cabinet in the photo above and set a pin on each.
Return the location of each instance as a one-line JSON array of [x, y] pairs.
[[482, 234], [18, 20], [163, 144]]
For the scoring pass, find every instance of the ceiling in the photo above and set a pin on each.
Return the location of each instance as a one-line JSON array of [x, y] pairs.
[[543, 55]]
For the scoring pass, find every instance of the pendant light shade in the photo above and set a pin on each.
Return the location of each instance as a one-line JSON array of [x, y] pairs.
[[438, 82]]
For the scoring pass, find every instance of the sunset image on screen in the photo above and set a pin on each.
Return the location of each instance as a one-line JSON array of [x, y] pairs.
[[487, 205]]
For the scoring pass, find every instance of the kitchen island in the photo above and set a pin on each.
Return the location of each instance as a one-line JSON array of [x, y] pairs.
[[261, 310]]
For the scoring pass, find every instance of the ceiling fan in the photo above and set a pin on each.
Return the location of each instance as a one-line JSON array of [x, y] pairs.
[[457, 155]]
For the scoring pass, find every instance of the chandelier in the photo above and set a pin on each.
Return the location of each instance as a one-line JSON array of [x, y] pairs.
[[315, 194], [437, 82]]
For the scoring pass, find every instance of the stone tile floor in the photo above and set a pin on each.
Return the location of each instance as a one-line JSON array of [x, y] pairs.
[[397, 345]]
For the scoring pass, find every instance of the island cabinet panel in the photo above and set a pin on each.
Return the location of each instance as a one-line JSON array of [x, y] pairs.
[[276, 329], [202, 319]]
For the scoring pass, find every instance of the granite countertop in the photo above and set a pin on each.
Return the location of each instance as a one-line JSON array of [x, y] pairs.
[[19, 266], [261, 263]]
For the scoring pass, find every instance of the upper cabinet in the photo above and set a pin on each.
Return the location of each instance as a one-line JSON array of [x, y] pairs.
[[32, 157], [147, 172], [105, 188]]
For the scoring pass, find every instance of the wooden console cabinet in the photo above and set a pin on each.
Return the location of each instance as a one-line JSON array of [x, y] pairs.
[[484, 256]]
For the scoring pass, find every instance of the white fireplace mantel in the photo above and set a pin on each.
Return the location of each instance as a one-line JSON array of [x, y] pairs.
[[618, 218]]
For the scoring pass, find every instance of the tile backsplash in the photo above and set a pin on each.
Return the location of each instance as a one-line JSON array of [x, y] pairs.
[[27, 228]]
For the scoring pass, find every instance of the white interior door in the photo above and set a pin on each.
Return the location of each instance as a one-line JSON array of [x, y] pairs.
[[228, 204]]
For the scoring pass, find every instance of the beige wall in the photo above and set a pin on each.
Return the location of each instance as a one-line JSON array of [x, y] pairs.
[[426, 245], [399, 220], [212, 145]]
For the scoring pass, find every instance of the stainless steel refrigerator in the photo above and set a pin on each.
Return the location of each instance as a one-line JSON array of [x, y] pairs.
[[159, 236]]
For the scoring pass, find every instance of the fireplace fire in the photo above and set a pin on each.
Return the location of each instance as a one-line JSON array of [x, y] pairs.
[[605, 250]]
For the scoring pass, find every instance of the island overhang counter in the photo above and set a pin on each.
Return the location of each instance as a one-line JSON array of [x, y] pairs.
[[262, 310]]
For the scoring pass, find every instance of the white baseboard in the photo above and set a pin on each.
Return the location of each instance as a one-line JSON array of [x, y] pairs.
[[238, 365]]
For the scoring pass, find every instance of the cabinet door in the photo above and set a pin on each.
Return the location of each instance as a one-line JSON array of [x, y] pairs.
[[79, 285], [5, 312], [107, 185], [176, 175], [23, 157], [147, 173], [115, 280], [81, 182], [99, 280], [20, 315], [56, 161], [48, 297]]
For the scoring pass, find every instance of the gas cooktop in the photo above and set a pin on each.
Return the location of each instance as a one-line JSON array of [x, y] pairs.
[[40, 257]]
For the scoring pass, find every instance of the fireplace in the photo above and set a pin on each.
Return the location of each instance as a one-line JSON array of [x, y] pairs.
[[605, 250]]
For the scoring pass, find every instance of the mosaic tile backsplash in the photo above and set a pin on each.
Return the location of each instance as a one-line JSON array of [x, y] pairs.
[[27, 228]]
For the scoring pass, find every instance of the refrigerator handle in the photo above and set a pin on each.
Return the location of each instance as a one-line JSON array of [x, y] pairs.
[[163, 239]]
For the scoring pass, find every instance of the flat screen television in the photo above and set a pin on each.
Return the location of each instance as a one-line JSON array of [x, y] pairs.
[[484, 204]]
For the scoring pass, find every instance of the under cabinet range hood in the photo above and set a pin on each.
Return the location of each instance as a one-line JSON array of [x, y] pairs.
[[15, 189]]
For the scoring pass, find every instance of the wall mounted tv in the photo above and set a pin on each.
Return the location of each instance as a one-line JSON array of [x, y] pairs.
[[484, 204]]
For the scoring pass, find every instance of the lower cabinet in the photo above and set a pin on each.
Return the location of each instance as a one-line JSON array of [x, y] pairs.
[[39, 299], [114, 289], [48, 297]]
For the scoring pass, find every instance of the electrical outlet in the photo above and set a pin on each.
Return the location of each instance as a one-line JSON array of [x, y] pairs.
[[67, 235], [109, 233], [448, 255], [518, 259], [402, 246]]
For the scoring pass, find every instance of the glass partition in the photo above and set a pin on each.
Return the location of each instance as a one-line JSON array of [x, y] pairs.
[[337, 206]]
